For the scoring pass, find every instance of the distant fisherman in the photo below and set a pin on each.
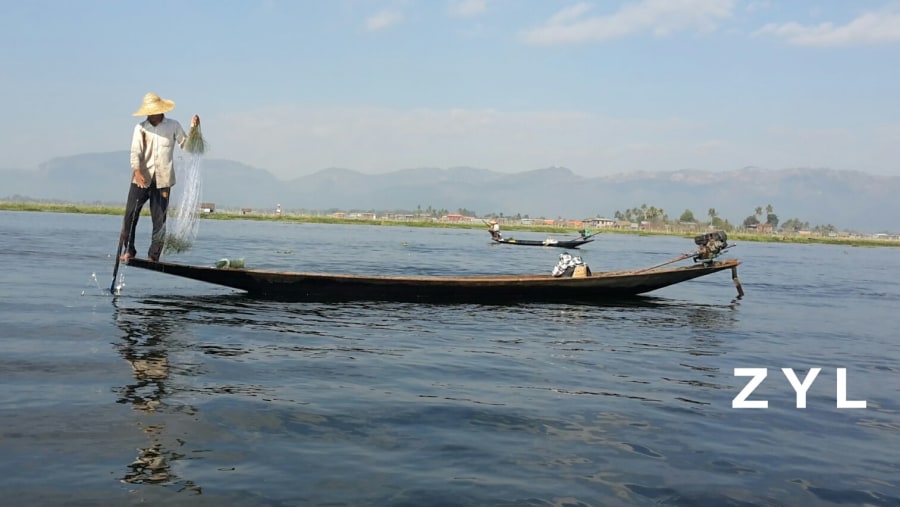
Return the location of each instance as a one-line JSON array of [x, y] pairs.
[[152, 149], [494, 227]]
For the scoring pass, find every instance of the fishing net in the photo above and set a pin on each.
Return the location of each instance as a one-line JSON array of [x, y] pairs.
[[181, 229], [195, 143]]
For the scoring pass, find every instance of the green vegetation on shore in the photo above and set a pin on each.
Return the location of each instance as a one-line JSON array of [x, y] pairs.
[[545, 229], [90, 209]]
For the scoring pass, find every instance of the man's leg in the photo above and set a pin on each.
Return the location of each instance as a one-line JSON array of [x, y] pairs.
[[159, 203], [137, 196]]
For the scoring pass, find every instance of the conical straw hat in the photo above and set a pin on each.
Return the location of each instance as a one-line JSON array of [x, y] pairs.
[[154, 104]]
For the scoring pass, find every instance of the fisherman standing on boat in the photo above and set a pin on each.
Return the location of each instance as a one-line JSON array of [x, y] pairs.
[[152, 152], [494, 227]]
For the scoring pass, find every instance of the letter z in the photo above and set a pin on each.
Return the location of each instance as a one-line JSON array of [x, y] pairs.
[[758, 374]]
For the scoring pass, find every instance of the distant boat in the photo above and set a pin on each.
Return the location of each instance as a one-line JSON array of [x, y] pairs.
[[584, 237], [322, 287], [571, 243]]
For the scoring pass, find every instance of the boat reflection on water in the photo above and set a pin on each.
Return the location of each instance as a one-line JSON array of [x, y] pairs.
[[144, 345]]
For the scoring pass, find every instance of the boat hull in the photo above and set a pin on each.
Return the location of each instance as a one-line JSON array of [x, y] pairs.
[[295, 286]]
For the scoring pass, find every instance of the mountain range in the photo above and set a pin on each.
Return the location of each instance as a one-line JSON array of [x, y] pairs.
[[849, 200]]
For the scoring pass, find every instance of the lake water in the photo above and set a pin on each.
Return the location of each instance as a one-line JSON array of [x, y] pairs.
[[180, 392]]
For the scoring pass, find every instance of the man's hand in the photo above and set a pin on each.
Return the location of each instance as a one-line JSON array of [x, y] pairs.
[[139, 179]]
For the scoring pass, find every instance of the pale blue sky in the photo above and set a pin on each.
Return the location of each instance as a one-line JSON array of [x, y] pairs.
[[601, 87]]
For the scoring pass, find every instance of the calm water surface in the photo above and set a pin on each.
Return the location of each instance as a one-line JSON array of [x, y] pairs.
[[179, 392]]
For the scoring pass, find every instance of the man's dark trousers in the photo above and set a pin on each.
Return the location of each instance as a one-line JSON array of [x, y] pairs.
[[159, 203]]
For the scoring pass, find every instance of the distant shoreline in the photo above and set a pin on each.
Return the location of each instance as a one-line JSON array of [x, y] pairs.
[[96, 209]]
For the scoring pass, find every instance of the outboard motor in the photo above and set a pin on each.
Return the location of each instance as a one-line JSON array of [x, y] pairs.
[[710, 245]]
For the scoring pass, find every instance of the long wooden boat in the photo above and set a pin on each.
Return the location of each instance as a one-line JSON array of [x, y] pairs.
[[566, 243], [296, 286]]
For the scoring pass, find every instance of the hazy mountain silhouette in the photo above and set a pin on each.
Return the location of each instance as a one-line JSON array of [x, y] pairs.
[[846, 199]]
